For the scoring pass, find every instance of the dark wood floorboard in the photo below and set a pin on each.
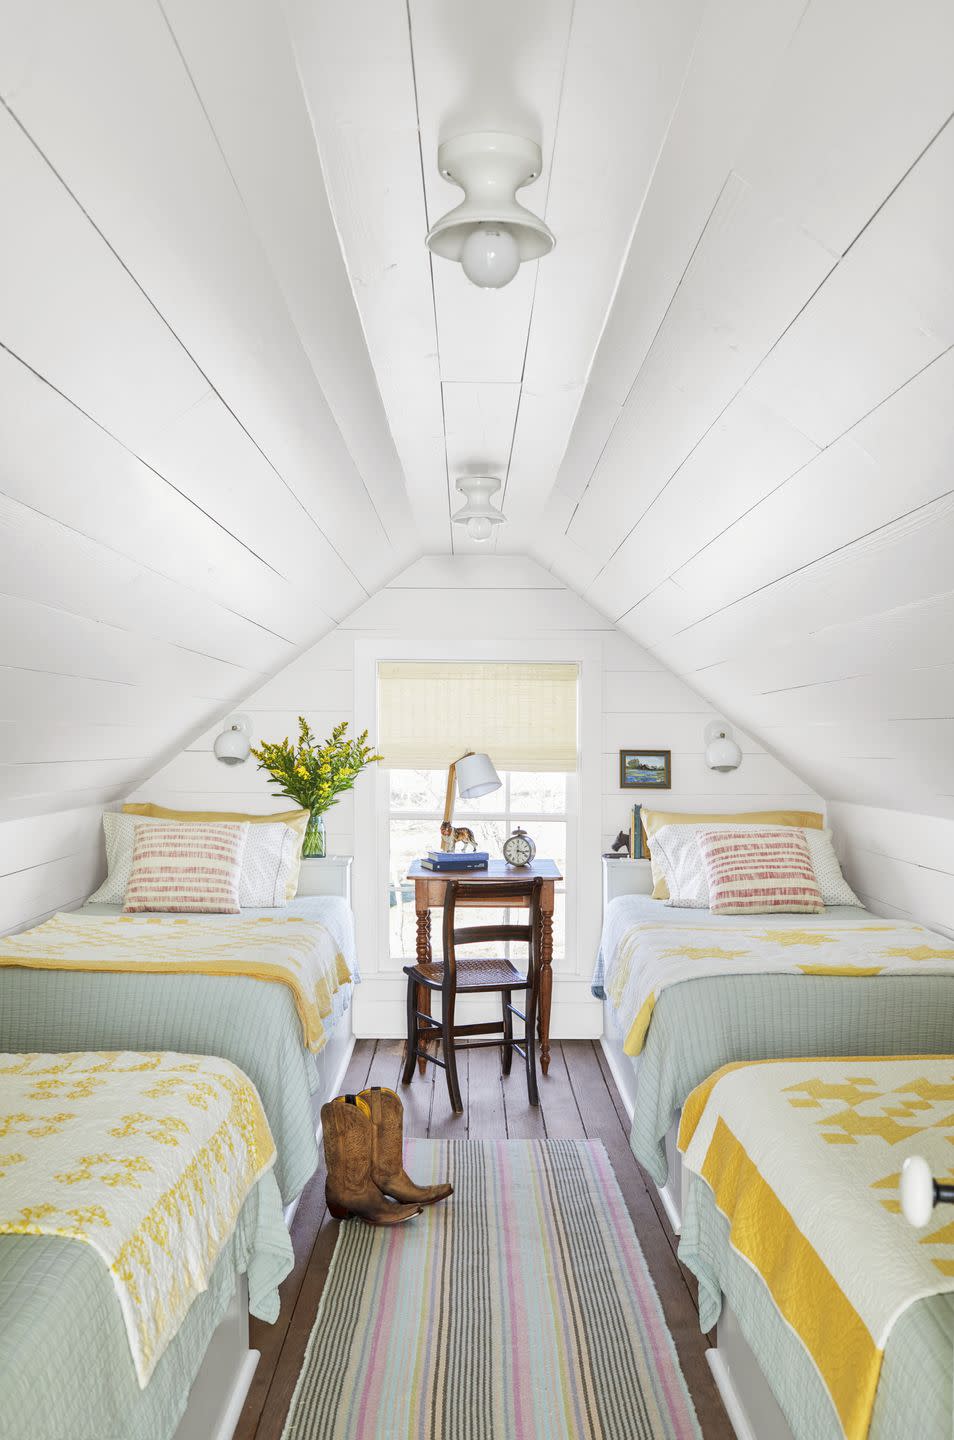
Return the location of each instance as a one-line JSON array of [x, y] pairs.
[[577, 1099]]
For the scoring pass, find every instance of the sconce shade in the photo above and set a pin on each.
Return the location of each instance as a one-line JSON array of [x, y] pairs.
[[722, 753], [476, 776], [235, 741]]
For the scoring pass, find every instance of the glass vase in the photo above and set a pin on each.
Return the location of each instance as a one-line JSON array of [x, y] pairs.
[[315, 840]]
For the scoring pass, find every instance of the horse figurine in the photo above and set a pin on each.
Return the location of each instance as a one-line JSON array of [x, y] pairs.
[[454, 835]]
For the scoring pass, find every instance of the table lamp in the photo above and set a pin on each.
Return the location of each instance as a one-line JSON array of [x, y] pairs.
[[474, 775]]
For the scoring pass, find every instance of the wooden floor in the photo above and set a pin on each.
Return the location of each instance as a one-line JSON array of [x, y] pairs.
[[577, 1099]]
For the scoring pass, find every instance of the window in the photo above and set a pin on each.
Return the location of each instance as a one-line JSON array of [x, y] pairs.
[[540, 802]]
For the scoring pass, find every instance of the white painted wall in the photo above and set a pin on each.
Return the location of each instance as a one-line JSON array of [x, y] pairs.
[[495, 602], [900, 864]]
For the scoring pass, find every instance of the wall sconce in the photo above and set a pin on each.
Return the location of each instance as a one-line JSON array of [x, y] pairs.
[[489, 233], [235, 741], [722, 753]]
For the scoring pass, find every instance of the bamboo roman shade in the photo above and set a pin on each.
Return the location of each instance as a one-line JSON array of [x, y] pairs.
[[523, 716]]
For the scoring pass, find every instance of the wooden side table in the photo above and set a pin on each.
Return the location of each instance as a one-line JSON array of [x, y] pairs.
[[429, 895]]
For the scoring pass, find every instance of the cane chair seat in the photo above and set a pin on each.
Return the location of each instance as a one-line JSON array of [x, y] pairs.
[[473, 973]]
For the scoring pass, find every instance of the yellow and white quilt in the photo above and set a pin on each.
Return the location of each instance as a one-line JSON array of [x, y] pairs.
[[300, 954], [803, 1158], [148, 1158], [654, 955]]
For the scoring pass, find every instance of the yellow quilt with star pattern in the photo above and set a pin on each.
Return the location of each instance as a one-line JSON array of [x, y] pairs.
[[803, 1158], [656, 954], [300, 954], [148, 1158]]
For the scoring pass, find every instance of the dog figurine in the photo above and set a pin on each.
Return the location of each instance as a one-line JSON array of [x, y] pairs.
[[454, 835]]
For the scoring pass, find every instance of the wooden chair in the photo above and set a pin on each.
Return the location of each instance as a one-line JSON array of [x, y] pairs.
[[473, 976]]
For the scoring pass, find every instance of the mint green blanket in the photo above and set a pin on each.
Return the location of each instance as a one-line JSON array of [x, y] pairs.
[[66, 1371]]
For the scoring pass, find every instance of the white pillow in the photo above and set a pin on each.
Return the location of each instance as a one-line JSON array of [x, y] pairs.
[[677, 852], [270, 855]]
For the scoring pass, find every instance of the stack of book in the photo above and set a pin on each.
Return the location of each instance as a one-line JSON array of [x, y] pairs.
[[446, 862]]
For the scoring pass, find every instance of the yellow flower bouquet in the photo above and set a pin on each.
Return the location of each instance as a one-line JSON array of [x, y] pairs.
[[315, 775]]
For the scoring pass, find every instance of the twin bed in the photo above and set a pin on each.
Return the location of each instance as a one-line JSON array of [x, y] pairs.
[[687, 993], [78, 992]]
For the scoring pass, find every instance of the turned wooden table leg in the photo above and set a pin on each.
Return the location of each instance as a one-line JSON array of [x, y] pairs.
[[423, 958], [546, 987]]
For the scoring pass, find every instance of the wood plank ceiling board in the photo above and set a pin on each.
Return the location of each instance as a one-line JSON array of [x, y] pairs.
[[748, 278], [59, 739], [884, 314], [45, 560], [62, 464], [743, 457], [863, 87], [113, 108], [39, 637], [358, 82], [241, 60], [734, 58], [906, 561], [893, 461]]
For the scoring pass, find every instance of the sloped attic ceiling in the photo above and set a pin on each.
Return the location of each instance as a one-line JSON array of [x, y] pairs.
[[235, 392]]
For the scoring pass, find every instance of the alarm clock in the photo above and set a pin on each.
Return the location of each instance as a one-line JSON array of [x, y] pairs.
[[518, 848]]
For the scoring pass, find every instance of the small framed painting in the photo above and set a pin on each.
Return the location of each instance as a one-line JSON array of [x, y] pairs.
[[645, 769]]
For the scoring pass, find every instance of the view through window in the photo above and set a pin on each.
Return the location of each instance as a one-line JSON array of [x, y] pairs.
[[538, 802]]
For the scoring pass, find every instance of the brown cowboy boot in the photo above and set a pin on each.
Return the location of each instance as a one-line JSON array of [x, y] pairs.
[[349, 1190], [387, 1153]]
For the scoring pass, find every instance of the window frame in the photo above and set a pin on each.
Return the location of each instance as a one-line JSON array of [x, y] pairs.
[[510, 817], [584, 824]]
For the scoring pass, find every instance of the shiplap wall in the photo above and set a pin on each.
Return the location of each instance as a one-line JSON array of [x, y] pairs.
[[900, 864], [455, 599], [198, 477]]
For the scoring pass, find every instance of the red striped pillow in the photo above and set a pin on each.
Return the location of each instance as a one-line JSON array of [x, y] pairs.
[[759, 872], [190, 868]]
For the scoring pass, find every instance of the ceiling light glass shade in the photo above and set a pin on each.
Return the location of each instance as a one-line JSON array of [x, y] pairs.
[[476, 776], [722, 753], [490, 168], [490, 257], [478, 514], [235, 741]]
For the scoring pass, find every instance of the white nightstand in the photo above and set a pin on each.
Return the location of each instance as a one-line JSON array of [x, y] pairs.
[[330, 875], [626, 877]]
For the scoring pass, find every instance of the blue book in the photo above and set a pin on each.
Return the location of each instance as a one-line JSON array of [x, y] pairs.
[[440, 867]]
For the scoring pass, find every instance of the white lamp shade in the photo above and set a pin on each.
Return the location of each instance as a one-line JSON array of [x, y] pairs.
[[722, 753], [476, 776], [234, 743]]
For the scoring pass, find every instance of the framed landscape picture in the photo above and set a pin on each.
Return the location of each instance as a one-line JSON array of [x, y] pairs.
[[645, 769]]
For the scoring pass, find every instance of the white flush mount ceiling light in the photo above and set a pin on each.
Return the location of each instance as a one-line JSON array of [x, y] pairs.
[[489, 233], [478, 514], [235, 741], [722, 753]]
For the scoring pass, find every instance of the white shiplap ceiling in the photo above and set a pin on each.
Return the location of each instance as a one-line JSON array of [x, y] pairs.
[[235, 390]]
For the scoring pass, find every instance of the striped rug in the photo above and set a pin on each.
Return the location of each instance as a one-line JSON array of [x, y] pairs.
[[521, 1309]]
